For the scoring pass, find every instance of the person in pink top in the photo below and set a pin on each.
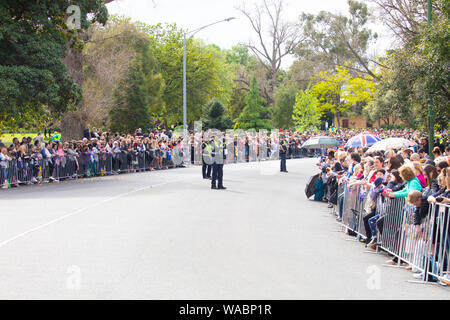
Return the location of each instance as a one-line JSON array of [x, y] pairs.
[[418, 170]]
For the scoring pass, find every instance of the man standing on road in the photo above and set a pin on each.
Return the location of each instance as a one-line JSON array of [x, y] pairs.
[[219, 154], [206, 159], [283, 147]]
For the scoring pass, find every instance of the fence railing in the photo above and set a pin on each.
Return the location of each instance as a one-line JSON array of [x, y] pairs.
[[32, 170], [438, 259], [425, 247]]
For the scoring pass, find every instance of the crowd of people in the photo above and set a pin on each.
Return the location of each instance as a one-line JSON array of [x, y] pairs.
[[409, 173], [35, 159]]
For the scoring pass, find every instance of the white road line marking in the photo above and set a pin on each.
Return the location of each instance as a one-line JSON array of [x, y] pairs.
[[78, 211]]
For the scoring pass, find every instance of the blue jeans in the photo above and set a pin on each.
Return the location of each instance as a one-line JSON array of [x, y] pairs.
[[373, 224], [4, 175], [341, 205]]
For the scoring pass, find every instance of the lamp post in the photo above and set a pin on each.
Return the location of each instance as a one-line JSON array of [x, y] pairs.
[[184, 71], [430, 103]]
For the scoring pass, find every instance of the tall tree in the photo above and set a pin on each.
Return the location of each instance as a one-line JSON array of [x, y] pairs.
[[417, 73], [138, 95], [203, 70], [214, 116], [406, 17], [384, 109], [305, 114], [108, 56], [131, 106], [34, 36], [283, 106], [335, 39], [338, 92], [254, 115], [274, 43]]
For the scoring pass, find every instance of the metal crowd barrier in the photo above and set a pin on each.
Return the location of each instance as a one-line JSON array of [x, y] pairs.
[[340, 193], [439, 244], [424, 247], [391, 222], [413, 246], [353, 207], [84, 165], [31, 171]]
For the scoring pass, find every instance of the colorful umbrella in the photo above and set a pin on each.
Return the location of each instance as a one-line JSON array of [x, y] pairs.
[[365, 139], [392, 143]]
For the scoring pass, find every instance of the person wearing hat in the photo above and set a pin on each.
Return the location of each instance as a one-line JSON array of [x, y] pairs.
[[283, 148]]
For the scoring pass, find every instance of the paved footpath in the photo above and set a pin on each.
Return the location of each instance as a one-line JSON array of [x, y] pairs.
[[167, 235]]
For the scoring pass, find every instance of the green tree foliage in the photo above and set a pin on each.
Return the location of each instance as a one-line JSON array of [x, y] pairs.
[[238, 55], [339, 91], [384, 108], [214, 116], [417, 73], [108, 58], [283, 106], [202, 74], [305, 114], [237, 100], [335, 39], [255, 115], [131, 103], [33, 40]]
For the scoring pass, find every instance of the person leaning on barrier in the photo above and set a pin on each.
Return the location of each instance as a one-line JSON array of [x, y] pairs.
[[431, 176], [418, 199], [422, 210], [444, 184], [412, 183], [4, 158], [371, 217], [394, 183]]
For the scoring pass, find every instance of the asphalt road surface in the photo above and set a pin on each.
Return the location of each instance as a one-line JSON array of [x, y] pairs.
[[167, 235]]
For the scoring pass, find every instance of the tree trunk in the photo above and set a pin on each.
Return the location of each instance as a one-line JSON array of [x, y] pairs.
[[273, 86], [73, 122]]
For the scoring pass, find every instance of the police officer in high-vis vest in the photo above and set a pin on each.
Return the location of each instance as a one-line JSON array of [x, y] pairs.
[[206, 159], [219, 154], [283, 148]]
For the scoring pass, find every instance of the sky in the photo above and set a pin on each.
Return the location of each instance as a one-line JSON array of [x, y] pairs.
[[192, 14]]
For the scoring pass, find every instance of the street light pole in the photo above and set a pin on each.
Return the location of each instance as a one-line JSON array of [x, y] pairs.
[[184, 71], [184, 91], [430, 102]]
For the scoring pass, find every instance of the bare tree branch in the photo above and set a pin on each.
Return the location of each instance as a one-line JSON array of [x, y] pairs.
[[283, 38]]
